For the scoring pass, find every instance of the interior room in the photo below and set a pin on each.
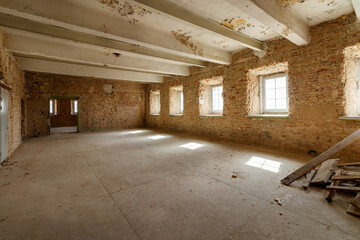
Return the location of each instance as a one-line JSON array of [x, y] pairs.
[[179, 119]]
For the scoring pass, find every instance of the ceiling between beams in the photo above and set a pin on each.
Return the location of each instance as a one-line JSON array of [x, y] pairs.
[[145, 40]]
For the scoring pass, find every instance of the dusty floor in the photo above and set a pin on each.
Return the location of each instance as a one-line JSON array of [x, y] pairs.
[[63, 130], [145, 184]]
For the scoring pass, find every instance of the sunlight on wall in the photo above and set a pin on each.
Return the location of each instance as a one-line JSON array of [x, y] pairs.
[[264, 163], [192, 145]]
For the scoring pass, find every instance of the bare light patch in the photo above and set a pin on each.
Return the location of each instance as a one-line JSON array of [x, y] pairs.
[[265, 164], [192, 145], [184, 38], [156, 137]]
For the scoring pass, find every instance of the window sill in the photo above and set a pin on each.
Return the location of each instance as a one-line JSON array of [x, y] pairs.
[[155, 115], [175, 114], [350, 118], [276, 116], [212, 115]]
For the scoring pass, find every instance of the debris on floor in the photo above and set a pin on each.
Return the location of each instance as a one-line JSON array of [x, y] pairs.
[[322, 171], [337, 177], [278, 201]]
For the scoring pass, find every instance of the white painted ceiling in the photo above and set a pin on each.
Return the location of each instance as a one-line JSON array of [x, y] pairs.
[[104, 34]]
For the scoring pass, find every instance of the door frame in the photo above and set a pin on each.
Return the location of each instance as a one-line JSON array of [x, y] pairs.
[[68, 98], [4, 125]]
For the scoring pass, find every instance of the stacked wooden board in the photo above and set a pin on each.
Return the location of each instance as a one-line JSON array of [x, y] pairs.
[[327, 172]]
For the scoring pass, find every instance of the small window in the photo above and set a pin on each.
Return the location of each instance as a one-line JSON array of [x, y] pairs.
[[155, 103], [74, 107], [357, 76], [217, 101], [275, 94], [181, 101], [53, 106]]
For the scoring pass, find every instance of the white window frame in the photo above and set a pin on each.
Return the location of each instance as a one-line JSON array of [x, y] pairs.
[[263, 100], [73, 112], [357, 77], [180, 96], [211, 98], [52, 107]]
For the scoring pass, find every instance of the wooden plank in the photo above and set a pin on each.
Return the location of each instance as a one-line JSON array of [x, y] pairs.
[[345, 177], [325, 171], [330, 193], [321, 158], [353, 210], [349, 164], [356, 201], [343, 188], [308, 179]]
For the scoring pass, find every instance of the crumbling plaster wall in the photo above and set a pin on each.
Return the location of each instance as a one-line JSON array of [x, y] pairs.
[[316, 86], [11, 75], [103, 104]]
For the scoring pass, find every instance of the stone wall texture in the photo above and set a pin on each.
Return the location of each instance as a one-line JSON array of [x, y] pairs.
[[320, 89], [103, 104], [12, 76]]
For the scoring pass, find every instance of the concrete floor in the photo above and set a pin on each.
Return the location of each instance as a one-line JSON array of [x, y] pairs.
[[145, 184], [63, 130]]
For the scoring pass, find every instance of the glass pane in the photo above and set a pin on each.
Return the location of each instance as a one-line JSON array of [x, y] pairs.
[[270, 104], [75, 106], [281, 93], [217, 100], [270, 94], [270, 83], [51, 107], [281, 82], [281, 103], [181, 103]]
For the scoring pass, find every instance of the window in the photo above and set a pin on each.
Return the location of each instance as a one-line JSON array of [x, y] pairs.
[[357, 76], [181, 101], [216, 98], [275, 94], [176, 100], [74, 107], [211, 100], [155, 102], [53, 106]]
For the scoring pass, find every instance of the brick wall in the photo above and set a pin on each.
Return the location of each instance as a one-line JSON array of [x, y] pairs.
[[12, 76], [319, 86], [103, 104]]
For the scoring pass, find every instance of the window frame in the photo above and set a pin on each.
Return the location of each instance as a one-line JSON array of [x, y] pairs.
[[357, 78], [263, 98], [53, 107], [211, 98], [73, 107], [180, 96]]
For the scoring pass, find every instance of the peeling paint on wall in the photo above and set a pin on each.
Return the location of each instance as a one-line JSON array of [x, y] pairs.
[[184, 38]]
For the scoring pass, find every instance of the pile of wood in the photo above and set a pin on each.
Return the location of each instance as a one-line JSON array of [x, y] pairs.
[[327, 172], [337, 177]]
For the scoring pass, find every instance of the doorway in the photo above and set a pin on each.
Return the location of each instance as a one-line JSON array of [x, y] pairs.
[[4, 96], [64, 114]]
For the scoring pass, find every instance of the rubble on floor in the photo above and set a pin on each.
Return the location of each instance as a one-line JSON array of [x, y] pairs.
[[325, 172]]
